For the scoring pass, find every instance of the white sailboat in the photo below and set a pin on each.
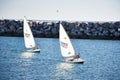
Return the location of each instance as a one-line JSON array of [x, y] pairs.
[[67, 49], [29, 39]]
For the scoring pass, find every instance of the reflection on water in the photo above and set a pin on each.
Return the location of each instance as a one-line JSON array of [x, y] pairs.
[[26, 58], [64, 70], [27, 55]]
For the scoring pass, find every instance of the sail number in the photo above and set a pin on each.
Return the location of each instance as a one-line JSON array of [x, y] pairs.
[[65, 45]]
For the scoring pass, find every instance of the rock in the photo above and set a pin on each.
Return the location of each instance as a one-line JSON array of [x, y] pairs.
[[2, 31], [106, 33], [117, 24], [48, 28], [112, 31], [87, 32], [81, 29], [54, 31], [92, 30], [12, 28], [117, 34], [106, 25], [100, 29]]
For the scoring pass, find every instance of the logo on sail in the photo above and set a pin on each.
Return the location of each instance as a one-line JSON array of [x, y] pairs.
[[65, 38], [27, 35], [65, 45]]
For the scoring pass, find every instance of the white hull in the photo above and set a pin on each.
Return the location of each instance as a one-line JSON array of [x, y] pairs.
[[79, 60], [36, 50]]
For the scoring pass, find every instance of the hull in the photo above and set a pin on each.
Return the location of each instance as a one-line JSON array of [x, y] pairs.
[[79, 60], [36, 50]]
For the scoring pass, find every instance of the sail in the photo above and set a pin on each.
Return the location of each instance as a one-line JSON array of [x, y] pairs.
[[28, 36], [67, 49]]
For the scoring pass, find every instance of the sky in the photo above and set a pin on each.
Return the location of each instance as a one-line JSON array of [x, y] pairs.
[[75, 10]]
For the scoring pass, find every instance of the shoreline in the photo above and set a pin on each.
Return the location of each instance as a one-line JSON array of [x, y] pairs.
[[70, 38]]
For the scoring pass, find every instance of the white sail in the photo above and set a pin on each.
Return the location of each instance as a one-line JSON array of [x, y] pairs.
[[28, 36], [67, 49]]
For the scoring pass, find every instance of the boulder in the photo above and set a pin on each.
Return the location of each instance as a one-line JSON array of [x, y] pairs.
[[97, 30], [54, 31], [117, 34]]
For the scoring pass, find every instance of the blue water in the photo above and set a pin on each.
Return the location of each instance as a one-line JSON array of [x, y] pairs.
[[102, 60]]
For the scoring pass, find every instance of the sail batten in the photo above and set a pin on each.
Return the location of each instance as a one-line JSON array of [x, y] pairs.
[[67, 49], [28, 36]]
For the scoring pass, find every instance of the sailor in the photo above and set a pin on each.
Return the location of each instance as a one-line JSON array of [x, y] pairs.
[[77, 56], [36, 47]]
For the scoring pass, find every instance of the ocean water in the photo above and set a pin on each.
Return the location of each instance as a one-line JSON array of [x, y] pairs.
[[102, 60]]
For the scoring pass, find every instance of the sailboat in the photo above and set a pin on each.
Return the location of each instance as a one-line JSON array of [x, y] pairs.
[[29, 39], [67, 50]]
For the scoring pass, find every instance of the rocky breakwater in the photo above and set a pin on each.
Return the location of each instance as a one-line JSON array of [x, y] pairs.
[[82, 30]]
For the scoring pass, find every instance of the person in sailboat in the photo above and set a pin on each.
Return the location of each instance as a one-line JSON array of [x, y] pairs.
[[36, 47], [77, 56]]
